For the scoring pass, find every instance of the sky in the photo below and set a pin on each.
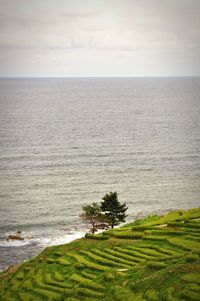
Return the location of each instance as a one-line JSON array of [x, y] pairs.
[[99, 38]]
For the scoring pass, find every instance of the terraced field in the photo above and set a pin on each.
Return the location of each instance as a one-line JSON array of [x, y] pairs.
[[153, 259]]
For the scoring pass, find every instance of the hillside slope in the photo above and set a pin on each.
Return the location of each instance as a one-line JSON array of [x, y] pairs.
[[156, 258]]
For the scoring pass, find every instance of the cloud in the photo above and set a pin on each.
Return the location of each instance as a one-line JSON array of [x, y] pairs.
[[141, 30]]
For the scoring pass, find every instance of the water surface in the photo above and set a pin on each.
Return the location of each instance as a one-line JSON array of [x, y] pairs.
[[67, 142]]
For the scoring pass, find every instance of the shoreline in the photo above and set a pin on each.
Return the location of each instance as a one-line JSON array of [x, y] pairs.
[[68, 238], [151, 250]]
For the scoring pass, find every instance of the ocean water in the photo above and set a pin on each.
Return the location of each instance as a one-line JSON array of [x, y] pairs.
[[65, 142]]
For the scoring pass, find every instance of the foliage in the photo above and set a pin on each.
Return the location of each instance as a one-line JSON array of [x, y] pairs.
[[113, 209], [93, 216]]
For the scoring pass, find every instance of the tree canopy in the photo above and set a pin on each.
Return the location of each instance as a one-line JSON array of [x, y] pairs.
[[93, 216], [113, 209]]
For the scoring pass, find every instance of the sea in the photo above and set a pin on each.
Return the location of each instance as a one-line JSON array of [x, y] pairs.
[[66, 142]]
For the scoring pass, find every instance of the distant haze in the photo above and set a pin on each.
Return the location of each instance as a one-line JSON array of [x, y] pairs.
[[99, 37]]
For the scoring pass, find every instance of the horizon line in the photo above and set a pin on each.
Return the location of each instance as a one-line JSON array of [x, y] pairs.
[[125, 76]]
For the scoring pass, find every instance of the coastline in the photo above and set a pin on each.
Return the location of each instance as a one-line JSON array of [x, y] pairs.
[[124, 263], [66, 239]]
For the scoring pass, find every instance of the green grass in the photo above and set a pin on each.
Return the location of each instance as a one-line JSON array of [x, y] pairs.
[[186, 244], [152, 259]]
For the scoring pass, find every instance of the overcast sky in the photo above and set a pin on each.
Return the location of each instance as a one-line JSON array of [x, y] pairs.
[[99, 37]]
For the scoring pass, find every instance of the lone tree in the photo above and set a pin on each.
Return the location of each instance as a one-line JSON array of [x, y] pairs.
[[114, 211], [93, 216]]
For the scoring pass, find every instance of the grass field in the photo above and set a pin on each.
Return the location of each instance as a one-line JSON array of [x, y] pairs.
[[152, 259]]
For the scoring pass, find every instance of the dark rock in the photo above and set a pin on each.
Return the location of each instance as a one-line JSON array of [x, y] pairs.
[[16, 236]]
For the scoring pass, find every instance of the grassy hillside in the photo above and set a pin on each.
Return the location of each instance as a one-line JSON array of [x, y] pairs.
[[156, 258]]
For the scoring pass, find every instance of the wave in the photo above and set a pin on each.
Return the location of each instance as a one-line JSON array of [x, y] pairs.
[[42, 241]]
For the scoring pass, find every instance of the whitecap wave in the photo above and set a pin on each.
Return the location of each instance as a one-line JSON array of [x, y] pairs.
[[42, 241], [60, 240], [16, 243]]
